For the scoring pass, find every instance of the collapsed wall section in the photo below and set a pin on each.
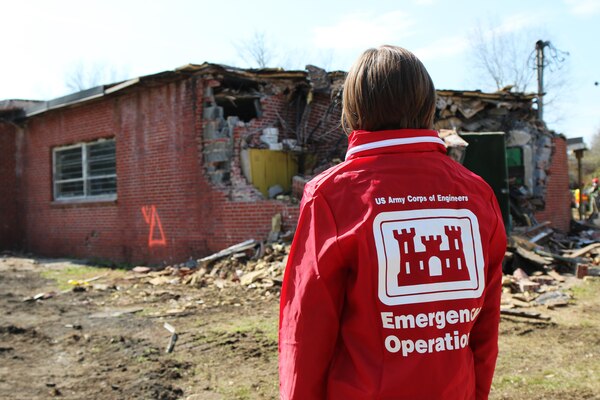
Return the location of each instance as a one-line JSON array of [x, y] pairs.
[[239, 211], [529, 143]]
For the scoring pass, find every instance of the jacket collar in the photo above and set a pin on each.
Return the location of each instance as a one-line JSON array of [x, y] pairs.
[[363, 143]]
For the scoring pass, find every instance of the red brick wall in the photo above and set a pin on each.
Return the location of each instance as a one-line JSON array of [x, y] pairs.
[[233, 222], [157, 168], [158, 134], [558, 197], [10, 234]]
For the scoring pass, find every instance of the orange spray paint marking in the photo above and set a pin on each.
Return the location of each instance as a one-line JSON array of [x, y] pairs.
[[152, 218]]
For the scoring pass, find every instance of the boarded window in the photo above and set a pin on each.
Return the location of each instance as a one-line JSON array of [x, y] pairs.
[[86, 170]]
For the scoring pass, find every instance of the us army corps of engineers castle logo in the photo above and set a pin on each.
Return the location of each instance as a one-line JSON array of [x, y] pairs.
[[428, 255]]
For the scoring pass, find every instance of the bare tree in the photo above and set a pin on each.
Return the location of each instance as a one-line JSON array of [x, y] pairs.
[[503, 57], [83, 75], [507, 58], [257, 51]]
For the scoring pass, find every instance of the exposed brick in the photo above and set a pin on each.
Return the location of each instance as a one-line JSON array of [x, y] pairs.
[[162, 166], [558, 196]]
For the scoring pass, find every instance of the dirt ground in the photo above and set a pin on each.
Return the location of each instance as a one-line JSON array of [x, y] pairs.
[[106, 339]]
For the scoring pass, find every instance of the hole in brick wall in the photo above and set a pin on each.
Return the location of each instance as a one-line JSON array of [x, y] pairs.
[[245, 108]]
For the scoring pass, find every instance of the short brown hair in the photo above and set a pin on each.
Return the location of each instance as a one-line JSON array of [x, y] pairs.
[[388, 88]]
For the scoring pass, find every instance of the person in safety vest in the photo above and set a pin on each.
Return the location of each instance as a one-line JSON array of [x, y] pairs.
[[393, 282]]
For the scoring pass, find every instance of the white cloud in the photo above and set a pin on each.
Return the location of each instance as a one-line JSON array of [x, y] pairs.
[[445, 47], [584, 8], [516, 22], [362, 30]]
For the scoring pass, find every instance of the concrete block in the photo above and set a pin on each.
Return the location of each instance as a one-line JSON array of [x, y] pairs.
[[212, 112], [217, 152]]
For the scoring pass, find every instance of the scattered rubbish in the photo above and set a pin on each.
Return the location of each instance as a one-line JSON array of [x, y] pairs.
[[141, 270], [75, 282], [539, 265], [524, 314], [250, 264], [40, 296], [246, 245], [555, 298], [160, 280], [173, 338], [191, 263], [102, 287]]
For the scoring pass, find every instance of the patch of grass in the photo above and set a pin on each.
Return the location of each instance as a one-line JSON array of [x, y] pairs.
[[586, 323], [587, 290], [241, 393], [62, 276], [149, 354], [509, 380], [106, 263], [268, 327]]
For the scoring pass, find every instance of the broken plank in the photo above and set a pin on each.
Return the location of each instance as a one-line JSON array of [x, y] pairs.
[[524, 314], [583, 251], [541, 236], [556, 276], [236, 248], [532, 256], [559, 258], [537, 227]]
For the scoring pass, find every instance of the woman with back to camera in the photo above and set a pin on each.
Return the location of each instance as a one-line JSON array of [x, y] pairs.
[[392, 286]]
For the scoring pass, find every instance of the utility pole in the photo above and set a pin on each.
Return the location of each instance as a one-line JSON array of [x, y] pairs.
[[539, 64]]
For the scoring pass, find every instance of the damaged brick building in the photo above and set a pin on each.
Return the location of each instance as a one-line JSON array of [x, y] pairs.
[[183, 163]]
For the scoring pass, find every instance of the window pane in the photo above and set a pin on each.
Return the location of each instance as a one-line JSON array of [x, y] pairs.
[[69, 189], [69, 164], [101, 159], [100, 186]]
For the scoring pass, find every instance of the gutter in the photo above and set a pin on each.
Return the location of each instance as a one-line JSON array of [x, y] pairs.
[[79, 97]]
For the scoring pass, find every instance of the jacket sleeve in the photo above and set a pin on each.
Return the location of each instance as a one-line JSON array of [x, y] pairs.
[[311, 302], [484, 335]]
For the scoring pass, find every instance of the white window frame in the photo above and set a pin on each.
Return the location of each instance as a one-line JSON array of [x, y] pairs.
[[85, 167]]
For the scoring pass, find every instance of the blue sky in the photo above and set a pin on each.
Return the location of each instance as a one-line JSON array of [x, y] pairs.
[[44, 41]]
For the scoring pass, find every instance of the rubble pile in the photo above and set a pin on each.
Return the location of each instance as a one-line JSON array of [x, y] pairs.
[[540, 265], [528, 138], [249, 264]]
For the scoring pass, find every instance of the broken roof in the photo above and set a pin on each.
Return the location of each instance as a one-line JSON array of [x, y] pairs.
[[317, 78], [219, 71]]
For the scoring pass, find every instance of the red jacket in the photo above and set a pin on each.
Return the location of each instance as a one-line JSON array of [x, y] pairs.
[[393, 283]]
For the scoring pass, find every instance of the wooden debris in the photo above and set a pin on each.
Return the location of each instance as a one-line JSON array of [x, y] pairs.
[[524, 314], [246, 245], [532, 256], [557, 257], [556, 298], [558, 277], [583, 251], [540, 236], [173, 338]]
